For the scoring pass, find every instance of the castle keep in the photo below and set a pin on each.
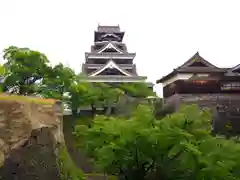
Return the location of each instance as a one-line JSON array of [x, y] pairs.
[[109, 59]]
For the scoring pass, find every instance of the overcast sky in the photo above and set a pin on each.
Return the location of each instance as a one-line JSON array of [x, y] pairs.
[[163, 33]]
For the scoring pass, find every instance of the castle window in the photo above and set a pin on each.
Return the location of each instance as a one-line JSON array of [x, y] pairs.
[[199, 82], [202, 75], [231, 86]]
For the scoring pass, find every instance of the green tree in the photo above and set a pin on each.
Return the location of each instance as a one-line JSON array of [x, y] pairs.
[[3, 74], [78, 95], [138, 89], [3, 71], [179, 146], [57, 81], [118, 146], [108, 96], [94, 95], [25, 67]]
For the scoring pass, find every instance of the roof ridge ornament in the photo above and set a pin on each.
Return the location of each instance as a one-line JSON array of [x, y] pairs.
[[111, 66]]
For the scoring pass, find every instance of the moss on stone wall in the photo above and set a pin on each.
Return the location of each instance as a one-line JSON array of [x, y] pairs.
[[36, 100], [98, 176], [66, 167]]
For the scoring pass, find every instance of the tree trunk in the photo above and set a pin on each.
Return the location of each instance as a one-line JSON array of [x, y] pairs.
[[93, 111], [137, 174], [74, 112], [108, 111], [21, 90]]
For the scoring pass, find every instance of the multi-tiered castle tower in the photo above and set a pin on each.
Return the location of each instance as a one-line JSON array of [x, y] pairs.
[[109, 59]]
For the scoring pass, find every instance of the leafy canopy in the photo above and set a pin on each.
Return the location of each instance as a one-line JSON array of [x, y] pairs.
[[24, 67], [139, 89], [57, 80], [179, 146]]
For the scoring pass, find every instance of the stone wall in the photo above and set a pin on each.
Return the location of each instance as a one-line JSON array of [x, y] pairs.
[[79, 157], [35, 160], [30, 133], [225, 108]]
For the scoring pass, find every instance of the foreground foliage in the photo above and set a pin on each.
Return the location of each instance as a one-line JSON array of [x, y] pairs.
[[179, 146]]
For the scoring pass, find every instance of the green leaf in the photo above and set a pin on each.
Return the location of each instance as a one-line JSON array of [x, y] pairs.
[[174, 151]]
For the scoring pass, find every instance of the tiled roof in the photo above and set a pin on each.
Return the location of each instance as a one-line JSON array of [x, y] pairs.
[[99, 45], [110, 55], [108, 29], [114, 66], [199, 58], [200, 70], [187, 68]]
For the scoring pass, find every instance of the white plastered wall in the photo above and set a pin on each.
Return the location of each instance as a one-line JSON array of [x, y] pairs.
[[182, 76], [176, 77]]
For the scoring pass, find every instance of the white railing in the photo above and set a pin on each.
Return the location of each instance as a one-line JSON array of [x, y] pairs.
[[113, 78], [111, 55], [124, 66]]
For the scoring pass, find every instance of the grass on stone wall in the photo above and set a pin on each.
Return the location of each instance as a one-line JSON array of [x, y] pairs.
[[37, 100], [66, 167], [108, 177]]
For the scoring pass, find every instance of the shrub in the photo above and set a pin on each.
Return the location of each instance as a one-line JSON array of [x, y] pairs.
[[179, 146]]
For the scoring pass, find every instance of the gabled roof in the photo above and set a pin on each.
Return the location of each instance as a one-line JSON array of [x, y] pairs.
[[108, 29], [121, 46], [234, 71], [109, 34], [110, 64], [101, 30], [110, 46], [196, 58], [236, 68], [206, 67]]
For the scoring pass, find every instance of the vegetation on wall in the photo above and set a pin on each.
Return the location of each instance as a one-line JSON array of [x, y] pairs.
[[66, 167], [36, 100]]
